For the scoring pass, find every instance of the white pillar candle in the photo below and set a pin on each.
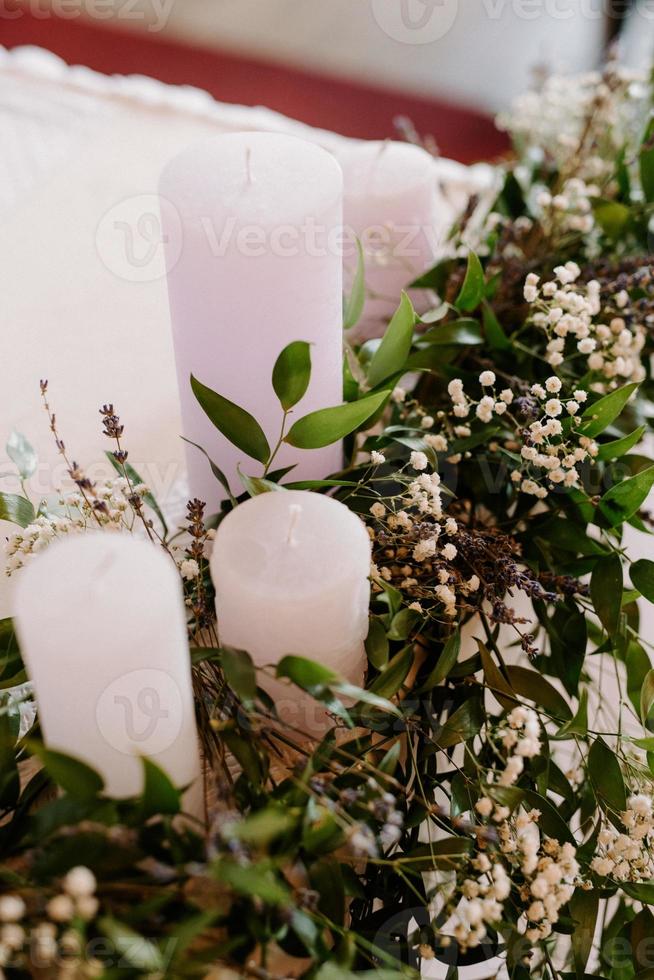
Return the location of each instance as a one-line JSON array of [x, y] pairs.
[[102, 628], [390, 204], [256, 220], [291, 576]]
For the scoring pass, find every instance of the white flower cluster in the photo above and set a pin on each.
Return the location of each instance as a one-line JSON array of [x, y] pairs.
[[553, 123], [568, 312], [550, 457], [627, 856], [76, 514], [521, 740], [77, 900], [487, 406], [569, 210], [481, 904], [549, 868]]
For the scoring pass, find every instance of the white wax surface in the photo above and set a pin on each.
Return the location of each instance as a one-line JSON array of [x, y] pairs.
[[101, 623], [255, 261], [390, 204], [291, 575]]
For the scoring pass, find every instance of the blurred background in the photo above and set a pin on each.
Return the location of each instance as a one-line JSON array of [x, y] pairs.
[[348, 65]]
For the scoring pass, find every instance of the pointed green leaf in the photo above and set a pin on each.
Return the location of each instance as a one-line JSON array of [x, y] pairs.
[[493, 329], [353, 307], [647, 698], [619, 447], [22, 455], [601, 413], [256, 485], [642, 576], [217, 472], [329, 425], [16, 509], [606, 592], [474, 284], [646, 162], [237, 425], [606, 776], [292, 373], [160, 795], [623, 500], [390, 357], [464, 333], [240, 673], [444, 664], [72, 775]]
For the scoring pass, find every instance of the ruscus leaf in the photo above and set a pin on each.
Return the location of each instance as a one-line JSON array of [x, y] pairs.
[[292, 373], [235, 423]]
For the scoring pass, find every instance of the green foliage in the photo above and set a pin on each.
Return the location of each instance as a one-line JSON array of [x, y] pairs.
[[473, 288], [391, 355], [292, 373], [329, 425], [16, 509], [237, 425], [353, 306]]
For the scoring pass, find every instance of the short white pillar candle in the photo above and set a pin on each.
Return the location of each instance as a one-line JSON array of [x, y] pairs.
[[102, 628], [291, 572], [253, 226], [390, 201]]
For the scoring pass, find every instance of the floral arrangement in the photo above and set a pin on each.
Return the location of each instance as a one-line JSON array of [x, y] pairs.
[[481, 799]]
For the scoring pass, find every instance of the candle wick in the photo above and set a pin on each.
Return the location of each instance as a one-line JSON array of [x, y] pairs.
[[295, 512], [248, 162], [382, 148]]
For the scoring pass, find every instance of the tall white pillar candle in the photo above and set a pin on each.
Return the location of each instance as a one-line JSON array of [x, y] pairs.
[[390, 204], [291, 576], [102, 628], [253, 225]]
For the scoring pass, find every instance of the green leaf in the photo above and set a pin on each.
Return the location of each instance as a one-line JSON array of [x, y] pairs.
[[601, 413], [356, 300], [642, 576], [533, 686], [72, 775], [391, 679], [463, 724], [647, 697], [493, 329], [133, 949], [474, 284], [262, 827], [322, 683], [329, 425], [292, 373], [390, 357], [377, 644], [256, 485], [619, 447], [217, 472], [240, 673], [125, 469], [254, 880], [579, 724], [22, 455], [16, 509], [463, 333], [159, 794], [237, 425], [606, 592], [606, 776], [646, 162], [611, 216], [444, 664], [584, 907], [624, 499]]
